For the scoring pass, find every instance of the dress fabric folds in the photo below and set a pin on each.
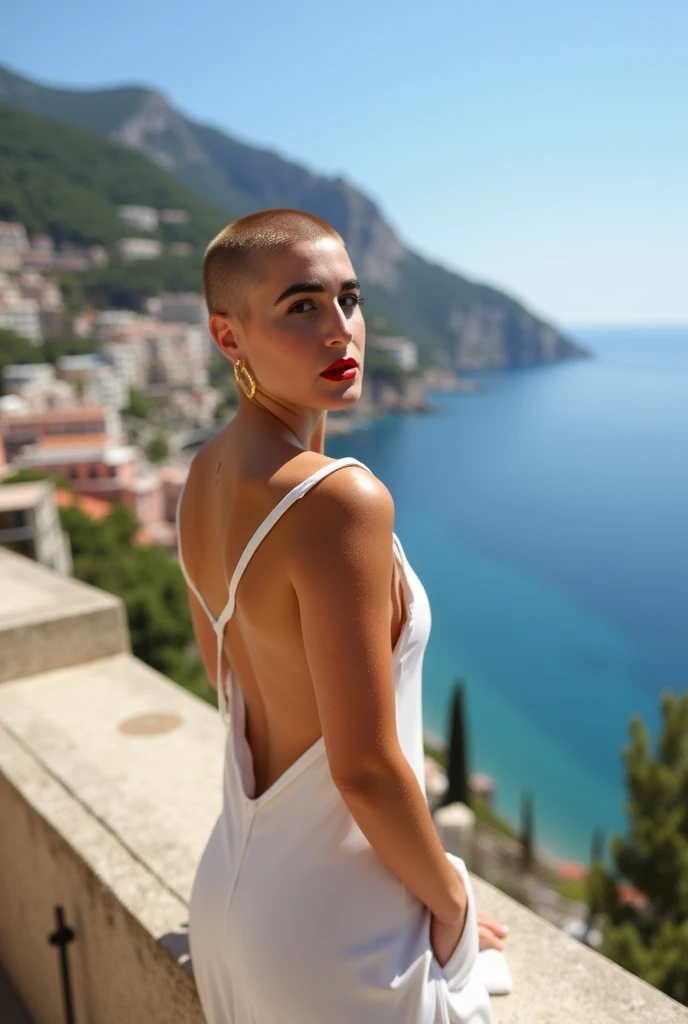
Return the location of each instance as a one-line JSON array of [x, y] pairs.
[[293, 917]]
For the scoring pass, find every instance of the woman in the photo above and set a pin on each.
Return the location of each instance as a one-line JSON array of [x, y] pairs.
[[323, 895]]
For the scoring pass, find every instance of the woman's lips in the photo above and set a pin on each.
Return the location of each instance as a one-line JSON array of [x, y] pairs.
[[341, 373], [341, 369]]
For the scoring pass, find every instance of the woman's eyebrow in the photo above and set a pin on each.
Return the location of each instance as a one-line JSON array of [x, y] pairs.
[[314, 286], [300, 286]]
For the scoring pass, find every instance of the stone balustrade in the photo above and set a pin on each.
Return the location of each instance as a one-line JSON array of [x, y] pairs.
[[109, 786]]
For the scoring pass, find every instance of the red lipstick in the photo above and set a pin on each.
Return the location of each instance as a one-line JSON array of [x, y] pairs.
[[341, 369]]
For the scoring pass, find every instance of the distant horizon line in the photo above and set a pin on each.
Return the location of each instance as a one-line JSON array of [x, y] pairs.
[[626, 326]]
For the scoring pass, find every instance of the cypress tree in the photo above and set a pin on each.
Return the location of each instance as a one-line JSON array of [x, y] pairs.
[[527, 832], [457, 771], [595, 884], [597, 847], [649, 935]]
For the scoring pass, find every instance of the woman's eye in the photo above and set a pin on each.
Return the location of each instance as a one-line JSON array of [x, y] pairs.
[[298, 306], [302, 304]]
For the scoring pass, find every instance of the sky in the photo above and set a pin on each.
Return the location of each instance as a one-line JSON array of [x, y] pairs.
[[536, 146]]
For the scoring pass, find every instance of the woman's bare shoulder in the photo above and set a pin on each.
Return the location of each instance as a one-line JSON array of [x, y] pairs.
[[348, 498]]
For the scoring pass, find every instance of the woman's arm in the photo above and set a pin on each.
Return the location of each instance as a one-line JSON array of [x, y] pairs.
[[341, 566]]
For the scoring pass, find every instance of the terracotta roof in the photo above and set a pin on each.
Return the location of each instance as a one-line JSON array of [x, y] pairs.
[[73, 441], [571, 871], [627, 894], [58, 415], [161, 533], [94, 508]]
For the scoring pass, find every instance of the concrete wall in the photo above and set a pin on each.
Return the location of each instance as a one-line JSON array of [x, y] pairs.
[[48, 621], [123, 968], [110, 783]]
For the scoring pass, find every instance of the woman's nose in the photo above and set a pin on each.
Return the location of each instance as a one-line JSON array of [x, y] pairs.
[[342, 329]]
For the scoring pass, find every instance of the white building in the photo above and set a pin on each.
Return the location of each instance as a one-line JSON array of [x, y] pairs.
[[43, 244], [33, 285], [18, 377], [37, 388], [144, 218], [179, 308], [13, 237], [129, 361], [30, 524], [139, 249], [178, 356], [97, 382], [175, 216], [107, 388], [41, 255], [108, 322], [23, 316], [402, 351]]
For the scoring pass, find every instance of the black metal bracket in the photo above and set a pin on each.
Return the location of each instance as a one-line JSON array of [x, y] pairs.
[[61, 937]]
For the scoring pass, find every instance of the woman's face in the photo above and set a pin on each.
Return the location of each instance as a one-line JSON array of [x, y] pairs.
[[305, 315]]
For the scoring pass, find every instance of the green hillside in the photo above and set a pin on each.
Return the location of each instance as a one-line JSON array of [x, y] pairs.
[[64, 182], [457, 322], [98, 111]]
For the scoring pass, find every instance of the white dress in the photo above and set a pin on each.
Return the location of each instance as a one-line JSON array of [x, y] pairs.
[[293, 918]]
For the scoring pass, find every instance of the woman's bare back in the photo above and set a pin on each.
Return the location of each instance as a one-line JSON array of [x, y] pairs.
[[228, 495]]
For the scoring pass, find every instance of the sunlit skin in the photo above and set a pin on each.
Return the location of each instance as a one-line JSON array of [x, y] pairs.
[[286, 342]]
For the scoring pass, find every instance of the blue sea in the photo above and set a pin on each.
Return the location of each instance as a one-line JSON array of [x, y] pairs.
[[547, 516]]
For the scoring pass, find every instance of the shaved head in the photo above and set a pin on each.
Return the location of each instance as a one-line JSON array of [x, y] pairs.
[[236, 259]]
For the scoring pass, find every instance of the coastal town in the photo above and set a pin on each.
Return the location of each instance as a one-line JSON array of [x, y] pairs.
[[119, 419]]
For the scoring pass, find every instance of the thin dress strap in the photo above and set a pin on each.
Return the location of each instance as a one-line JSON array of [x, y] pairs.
[[260, 534]]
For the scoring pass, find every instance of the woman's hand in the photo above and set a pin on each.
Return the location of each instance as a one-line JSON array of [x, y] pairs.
[[491, 934], [444, 938]]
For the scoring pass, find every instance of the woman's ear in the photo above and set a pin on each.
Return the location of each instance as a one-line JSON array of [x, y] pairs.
[[224, 336]]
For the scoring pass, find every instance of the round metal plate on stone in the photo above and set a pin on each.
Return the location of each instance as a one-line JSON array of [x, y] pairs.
[[151, 724]]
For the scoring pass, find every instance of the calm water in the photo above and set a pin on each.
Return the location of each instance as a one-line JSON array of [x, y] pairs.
[[547, 515]]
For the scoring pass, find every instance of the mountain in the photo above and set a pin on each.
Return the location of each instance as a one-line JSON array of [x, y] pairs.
[[66, 182], [457, 322]]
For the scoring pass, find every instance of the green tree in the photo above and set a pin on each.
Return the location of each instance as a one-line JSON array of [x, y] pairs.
[[457, 769], [650, 937], [53, 348], [28, 476], [140, 405], [16, 349], [158, 449], [149, 582], [527, 832], [597, 883]]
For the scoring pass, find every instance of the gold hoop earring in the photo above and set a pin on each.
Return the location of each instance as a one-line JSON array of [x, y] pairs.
[[239, 371]]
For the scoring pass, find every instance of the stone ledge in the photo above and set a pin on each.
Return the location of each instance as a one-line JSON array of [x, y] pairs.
[[129, 959], [48, 621], [557, 979], [131, 811], [158, 793]]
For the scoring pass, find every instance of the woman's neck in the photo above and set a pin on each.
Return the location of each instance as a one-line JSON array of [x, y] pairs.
[[310, 437]]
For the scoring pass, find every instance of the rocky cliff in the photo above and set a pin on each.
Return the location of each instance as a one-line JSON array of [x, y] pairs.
[[456, 322]]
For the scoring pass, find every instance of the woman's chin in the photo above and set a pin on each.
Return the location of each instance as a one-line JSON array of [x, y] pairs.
[[344, 398]]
